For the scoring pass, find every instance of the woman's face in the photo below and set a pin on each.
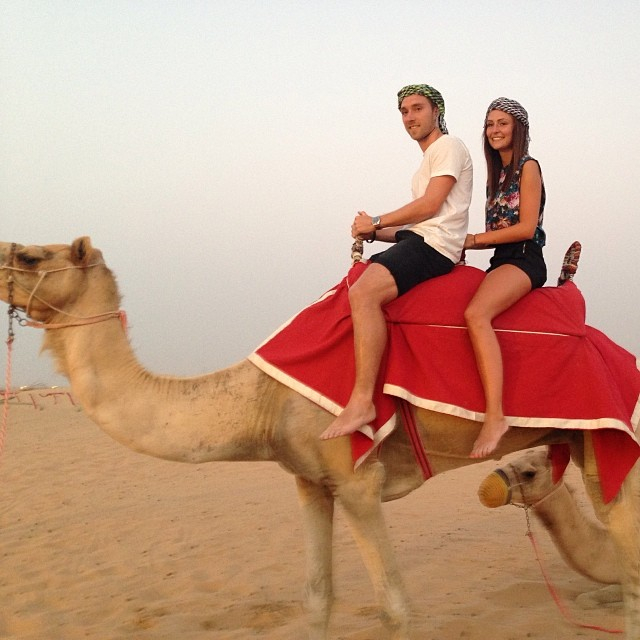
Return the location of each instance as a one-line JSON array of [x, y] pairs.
[[499, 130]]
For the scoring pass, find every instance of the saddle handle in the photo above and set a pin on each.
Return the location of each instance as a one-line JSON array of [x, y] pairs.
[[356, 251]]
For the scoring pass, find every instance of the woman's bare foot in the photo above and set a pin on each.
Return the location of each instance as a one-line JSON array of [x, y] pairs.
[[353, 416], [489, 437]]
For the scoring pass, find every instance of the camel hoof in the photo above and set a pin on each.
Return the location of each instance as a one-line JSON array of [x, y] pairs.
[[610, 597]]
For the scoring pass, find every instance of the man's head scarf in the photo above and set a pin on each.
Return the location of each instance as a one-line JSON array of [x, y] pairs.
[[512, 107], [428, 92]]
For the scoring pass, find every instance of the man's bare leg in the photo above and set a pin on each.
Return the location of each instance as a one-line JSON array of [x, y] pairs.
[[375, 288]]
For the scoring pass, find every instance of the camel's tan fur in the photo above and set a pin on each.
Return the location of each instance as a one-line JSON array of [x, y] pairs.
[[583, 542], [240, 413]]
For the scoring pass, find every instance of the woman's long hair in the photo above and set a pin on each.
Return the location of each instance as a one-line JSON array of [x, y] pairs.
[[520, 146]]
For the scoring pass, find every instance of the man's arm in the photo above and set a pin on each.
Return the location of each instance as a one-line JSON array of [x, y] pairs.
[[422, 208]]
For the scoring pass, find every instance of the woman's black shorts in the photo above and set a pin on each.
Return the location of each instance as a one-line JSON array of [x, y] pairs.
[[525, 255], [412, 261]]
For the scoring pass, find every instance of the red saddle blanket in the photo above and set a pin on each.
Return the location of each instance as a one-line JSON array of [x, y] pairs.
[[559, 372]]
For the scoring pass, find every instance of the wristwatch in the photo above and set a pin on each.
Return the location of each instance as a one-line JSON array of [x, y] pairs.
[[376, 222]]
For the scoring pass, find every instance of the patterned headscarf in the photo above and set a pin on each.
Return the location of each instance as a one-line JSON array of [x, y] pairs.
[[428, 92], [512, 107]]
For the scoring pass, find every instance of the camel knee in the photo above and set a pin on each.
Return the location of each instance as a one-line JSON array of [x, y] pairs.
[[364, 489]]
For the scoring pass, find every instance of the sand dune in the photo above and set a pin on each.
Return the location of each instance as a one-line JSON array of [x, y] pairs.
[[99, 542]]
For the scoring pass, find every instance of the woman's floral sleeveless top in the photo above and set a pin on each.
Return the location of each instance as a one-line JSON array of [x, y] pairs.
[[503, 209]]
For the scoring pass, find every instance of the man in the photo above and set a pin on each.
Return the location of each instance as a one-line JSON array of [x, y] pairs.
[[428, 233]]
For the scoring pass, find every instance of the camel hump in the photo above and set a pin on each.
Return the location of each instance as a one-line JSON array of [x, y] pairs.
[[570, 263]]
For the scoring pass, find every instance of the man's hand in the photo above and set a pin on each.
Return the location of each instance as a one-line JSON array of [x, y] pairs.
[[362, 226]]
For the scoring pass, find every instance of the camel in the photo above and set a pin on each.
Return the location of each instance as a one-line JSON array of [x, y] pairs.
[[240, 413], [584, 544]]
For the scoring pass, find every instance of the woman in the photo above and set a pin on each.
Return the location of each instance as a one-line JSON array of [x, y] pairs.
[[514, 208]]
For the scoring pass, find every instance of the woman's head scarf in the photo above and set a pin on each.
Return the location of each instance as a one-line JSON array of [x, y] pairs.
[[513, 108]]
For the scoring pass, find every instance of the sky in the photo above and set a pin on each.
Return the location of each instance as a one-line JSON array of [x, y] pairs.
[[217, 152]]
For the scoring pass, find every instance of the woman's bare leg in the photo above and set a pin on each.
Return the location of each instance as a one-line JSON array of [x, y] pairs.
[[500, 289]]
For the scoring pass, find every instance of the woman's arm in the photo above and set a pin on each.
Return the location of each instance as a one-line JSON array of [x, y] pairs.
[[530, 195]]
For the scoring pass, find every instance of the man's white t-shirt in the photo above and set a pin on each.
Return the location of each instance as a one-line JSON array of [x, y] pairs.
[[447, 229]]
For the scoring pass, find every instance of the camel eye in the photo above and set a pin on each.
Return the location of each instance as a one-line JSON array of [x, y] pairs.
[[27, 260], [529, 475]]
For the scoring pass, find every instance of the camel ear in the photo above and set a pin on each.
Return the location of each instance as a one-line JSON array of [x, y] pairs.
[[81, 249]]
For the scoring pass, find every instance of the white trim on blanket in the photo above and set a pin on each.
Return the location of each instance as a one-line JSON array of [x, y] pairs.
[[332, 292], [635, 416], [449, 409], [528, 332], [296, 385], [325, 403], [377, 438], [324, 296], [517, 421]]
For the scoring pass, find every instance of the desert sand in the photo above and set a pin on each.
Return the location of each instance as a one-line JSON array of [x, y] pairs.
[[103, 543]]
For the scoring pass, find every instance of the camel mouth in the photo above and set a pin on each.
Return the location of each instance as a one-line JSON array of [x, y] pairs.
[[494, 491]]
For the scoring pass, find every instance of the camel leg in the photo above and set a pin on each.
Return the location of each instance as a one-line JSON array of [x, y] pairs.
[[317, 516], [622, 517], [360, 499], [623, 526]]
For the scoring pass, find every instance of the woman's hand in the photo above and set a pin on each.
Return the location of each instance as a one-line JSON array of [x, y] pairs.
[[470, 241]]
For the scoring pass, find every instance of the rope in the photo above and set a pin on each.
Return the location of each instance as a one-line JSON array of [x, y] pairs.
[[7, 394], [550, 588], [414, 436], [13, 314], [554, 594], [78, 320], [33, 296], [121, 315]]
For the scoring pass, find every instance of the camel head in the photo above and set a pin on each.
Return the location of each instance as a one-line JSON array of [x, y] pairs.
[[50, 282], [526, 480]]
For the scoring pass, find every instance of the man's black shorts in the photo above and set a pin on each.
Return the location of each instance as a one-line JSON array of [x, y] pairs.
[[412, 261], [525, 255]]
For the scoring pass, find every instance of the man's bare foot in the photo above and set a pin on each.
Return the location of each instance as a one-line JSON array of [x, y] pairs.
[[349, 421], [489, 437]]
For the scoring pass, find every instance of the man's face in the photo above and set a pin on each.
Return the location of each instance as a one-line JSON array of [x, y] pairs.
[[419, 116]]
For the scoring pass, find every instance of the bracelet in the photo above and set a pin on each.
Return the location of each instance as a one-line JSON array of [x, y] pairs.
[[474, 241], [372, 238]]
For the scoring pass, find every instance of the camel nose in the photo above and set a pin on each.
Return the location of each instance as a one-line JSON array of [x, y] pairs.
[[494, 490]]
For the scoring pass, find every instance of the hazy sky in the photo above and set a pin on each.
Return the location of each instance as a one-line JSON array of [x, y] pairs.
[[217, 151]]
